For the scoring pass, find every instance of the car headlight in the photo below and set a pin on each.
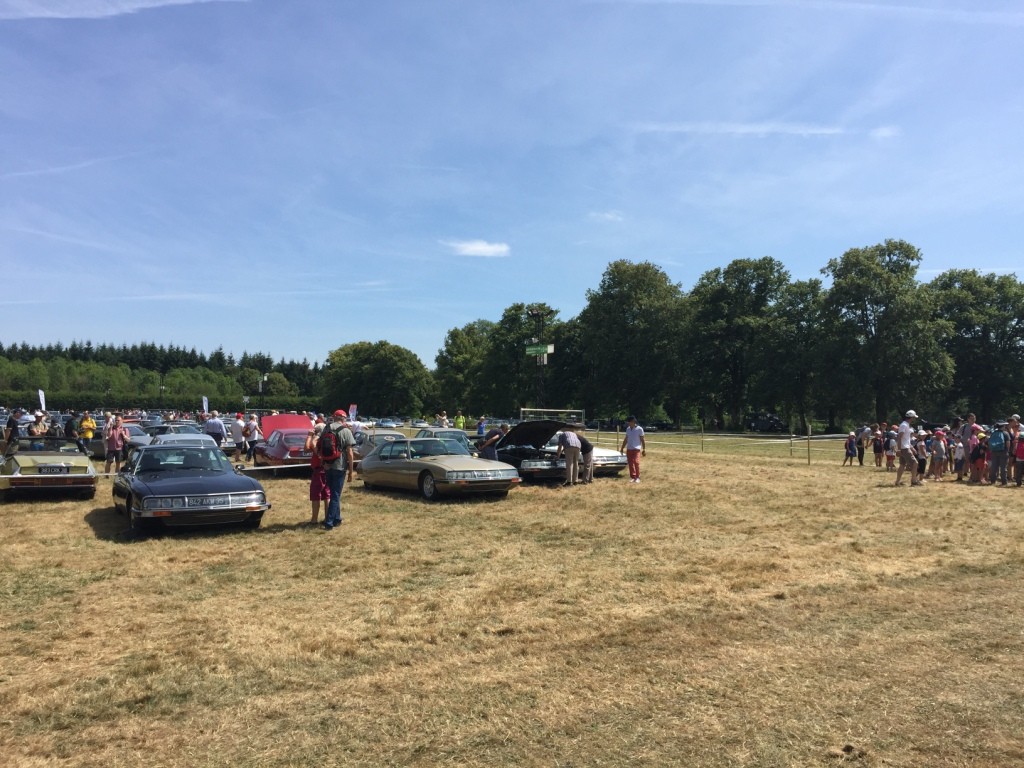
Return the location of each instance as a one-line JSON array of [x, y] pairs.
[[480, 474], [539, 464], [164, 502], [249, 499]]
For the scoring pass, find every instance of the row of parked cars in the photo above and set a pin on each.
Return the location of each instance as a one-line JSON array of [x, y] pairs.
[[184, 479]]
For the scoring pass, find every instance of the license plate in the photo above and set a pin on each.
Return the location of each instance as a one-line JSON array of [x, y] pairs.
[[207, 501], [54, 470]]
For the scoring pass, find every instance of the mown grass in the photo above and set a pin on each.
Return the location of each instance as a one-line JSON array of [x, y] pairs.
[[732, 609]]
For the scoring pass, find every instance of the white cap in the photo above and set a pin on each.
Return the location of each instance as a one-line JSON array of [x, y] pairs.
[[911, 414]]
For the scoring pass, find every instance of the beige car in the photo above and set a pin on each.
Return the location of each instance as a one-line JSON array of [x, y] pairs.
[[35, 465], [435, 468]]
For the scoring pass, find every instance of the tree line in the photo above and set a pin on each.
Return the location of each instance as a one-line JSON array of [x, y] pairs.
[[864, 342]]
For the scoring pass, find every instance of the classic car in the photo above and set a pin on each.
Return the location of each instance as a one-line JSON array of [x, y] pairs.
[[183, 484], [368, 439], [608, 462], [450, 433], [530, 447], [285, 441], [46, 464], [435, 468]]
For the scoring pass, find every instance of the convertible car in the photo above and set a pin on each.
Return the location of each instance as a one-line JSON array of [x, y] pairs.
[[435, 468], [181, 484], [46, 464], [530, 447]]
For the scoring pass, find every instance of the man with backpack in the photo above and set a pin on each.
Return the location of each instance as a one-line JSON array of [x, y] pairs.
[[335, 451]]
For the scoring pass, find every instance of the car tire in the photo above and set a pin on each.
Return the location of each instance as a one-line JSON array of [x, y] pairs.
[[428, 488], [252, 522], [137, 525], [88, 495], [368, 486]]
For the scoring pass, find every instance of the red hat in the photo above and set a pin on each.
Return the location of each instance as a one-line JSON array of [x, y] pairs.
[[238, 415], [341, 412]]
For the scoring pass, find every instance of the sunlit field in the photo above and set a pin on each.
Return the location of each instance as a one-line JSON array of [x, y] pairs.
[[739, 607]]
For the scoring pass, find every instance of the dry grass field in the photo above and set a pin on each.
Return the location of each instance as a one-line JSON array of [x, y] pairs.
[[733, 609]]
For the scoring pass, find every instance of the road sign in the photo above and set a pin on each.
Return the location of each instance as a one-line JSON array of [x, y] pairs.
[[539, 349]]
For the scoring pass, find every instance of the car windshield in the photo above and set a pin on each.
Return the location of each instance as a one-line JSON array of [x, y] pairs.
[[420, 448], [183, 458], [43, 443], [455, 446]]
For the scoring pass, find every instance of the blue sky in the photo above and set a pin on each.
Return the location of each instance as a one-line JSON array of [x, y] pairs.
[[288, 177]]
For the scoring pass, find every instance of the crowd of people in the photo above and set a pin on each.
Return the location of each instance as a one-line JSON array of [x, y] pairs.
[[963, 449]]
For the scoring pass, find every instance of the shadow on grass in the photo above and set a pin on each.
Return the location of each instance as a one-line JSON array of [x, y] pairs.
[[109, 525]]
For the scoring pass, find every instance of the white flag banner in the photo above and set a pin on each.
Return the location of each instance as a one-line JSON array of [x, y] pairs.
[[206, 404], [42, 400]]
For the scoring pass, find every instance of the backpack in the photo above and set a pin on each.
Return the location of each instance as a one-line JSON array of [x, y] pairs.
[[329, 446], [997, 441]]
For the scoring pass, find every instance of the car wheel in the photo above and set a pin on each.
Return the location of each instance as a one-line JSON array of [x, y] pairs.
[[136, 524], [89, 494], [252, 522], [428, 487], [368, 486]]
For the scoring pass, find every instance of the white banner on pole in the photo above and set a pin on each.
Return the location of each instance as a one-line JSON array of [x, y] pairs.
[[42, 400]]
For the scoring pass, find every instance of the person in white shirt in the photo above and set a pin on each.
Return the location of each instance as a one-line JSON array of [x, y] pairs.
[[904, 439], [634, 446], [254, 436], [237, 427]]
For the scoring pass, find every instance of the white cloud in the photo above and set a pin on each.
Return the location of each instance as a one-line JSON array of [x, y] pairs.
[[614, 216], [477, 248], [886, 132], [740, 129], [1012, 18], [85, 9]]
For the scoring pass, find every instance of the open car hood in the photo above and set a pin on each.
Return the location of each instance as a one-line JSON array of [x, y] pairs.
[[284, 421], [532, 433]]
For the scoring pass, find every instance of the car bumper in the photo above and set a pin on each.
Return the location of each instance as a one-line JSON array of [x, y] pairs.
[[456, 487], [197, 517]]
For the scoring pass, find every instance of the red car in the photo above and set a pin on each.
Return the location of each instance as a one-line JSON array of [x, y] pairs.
[[285, 442]]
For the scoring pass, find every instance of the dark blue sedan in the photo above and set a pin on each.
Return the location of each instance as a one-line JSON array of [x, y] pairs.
[[186, 485]]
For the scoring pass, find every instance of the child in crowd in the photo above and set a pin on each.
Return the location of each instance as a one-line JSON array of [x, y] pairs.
[[319, 491], [938, 455], [921, 451], [958, 459], [890, 451], [850, 449], [877, 447]]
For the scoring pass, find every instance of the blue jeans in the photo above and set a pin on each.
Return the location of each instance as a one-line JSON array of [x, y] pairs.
[[335, 481]]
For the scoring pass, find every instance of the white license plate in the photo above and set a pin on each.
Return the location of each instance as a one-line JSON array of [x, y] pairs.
[[54, 470], [207, 501]]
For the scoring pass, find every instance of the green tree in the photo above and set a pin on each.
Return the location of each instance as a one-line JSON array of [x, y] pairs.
[[885, 327], [458, 371], [509, 380], [732, 312], [792, 348], [987, 341], [380, 377], [629, 332]]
